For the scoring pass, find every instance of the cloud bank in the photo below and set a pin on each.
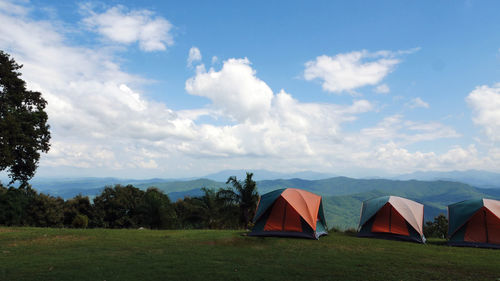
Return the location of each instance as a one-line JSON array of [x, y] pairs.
[[101, 122]]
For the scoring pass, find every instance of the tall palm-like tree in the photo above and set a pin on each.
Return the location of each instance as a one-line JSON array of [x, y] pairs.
[[244, 195]]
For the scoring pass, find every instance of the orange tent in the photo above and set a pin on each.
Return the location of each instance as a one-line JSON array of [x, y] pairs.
[[392, 217], [289, 212], [474, 223]]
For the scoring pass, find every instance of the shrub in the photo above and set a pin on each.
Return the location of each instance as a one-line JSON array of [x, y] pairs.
[[437, 228], [80, 221]]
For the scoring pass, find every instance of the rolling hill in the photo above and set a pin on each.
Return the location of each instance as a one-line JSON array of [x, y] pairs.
[[342, 196]]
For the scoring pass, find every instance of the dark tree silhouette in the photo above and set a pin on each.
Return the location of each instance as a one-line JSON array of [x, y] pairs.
[[244, 194], [437, 228], [24, 131]]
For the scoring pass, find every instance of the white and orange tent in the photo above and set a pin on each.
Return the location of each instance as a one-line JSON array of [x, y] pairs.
[[392, 217], [474, 223], [289, 212]]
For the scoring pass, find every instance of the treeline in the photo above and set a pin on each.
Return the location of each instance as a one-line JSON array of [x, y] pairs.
[[129, 207]]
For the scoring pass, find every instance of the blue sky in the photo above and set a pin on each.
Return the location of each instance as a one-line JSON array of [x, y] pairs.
[[180, 89]]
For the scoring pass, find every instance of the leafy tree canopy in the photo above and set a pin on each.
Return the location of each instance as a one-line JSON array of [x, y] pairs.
[[243, 194], [437, 228], [24, 131]]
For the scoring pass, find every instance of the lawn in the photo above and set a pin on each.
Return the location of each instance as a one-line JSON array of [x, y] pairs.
[[104, 254]]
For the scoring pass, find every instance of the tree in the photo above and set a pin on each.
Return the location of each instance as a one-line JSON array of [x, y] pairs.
[[245, 195], [437, 228], [77, 206], [13, 205], [156, 210], [24, 131], [118, 207], [45, 210]]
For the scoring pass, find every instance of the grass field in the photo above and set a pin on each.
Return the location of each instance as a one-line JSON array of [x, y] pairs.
[[103, 254]]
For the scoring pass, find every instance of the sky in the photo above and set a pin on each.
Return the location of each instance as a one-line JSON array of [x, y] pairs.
[[173, 89]]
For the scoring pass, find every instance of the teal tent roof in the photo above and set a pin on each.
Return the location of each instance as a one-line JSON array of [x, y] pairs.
[[370, 208], [459, 213], [267, 201]]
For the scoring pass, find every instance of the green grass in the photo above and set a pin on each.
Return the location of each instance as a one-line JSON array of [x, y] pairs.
[[100, 254]]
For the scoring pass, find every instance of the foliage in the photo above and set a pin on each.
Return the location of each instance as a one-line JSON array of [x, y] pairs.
[[80, 221], [207, 211], [45, 211], [437, 228], [118, 207], [79, 205], [156, 211], [129, 207], [244, 195], [13, 205], [24, 131]]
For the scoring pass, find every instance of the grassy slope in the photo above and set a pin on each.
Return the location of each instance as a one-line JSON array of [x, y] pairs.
[[97, 254]]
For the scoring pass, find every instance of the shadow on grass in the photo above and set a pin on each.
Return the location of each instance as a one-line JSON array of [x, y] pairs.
[[437, 242]]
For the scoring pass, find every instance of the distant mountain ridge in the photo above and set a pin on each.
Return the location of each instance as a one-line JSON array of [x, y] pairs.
[[477, 178], [342, 196], [259, 175]]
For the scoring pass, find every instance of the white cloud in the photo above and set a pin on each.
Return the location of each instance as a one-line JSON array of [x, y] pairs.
[[348, 71], [13, 9], [397, 158], [485, 103], [120, 25], [416, 103], [92, 106], [215, 59], [101, 122], [396, 129], [268, 124], [235, 90], [382, 89], [194, 56]]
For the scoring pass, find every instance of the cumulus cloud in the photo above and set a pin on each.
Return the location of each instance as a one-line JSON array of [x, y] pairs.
[[194, 56], [416, 103], [348, 71], [268, 124], [485, 103], [92, 107], [118, 24], [102, 122], [234, 89]]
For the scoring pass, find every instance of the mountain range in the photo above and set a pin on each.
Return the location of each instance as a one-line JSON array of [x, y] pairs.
[[476, 178], [342, 196]]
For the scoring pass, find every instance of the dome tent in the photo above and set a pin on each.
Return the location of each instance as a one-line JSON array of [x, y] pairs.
[[289, 212], [392, 217], [474, 223]]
